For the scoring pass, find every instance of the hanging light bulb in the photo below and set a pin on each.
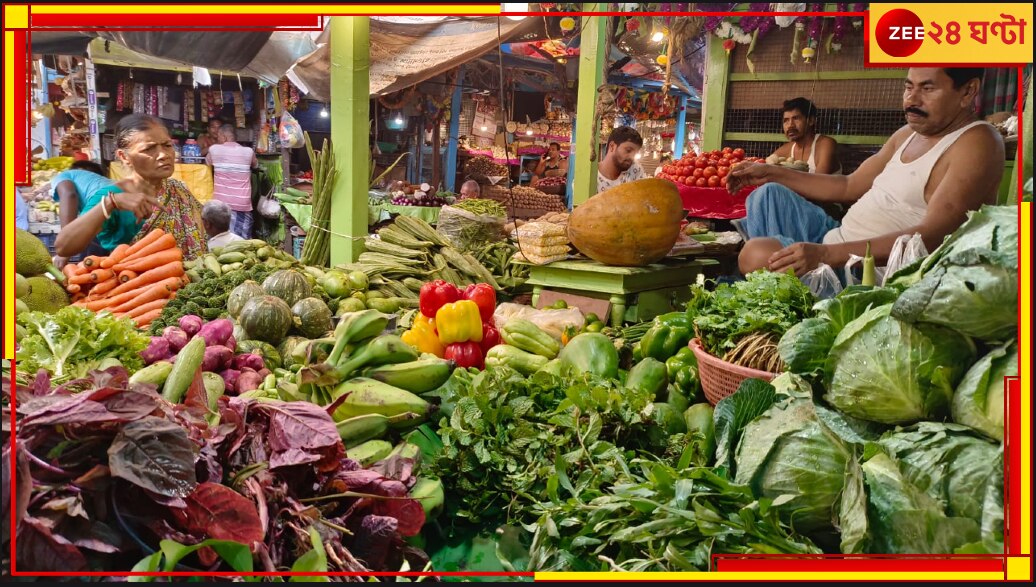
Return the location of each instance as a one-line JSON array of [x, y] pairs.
[[528, 132], [657, 37], [637, 157], [484, 128], [399, 119], [323, 112]]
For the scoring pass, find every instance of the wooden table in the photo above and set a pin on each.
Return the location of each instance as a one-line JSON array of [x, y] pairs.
[[636, 293]]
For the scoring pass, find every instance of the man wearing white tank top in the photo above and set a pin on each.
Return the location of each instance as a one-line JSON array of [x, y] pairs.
[[799, 121], [925, 179]]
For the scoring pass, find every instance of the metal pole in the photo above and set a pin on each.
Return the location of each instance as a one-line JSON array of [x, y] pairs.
[[454, 139], [681, 128], [591, 61], [91, 101]]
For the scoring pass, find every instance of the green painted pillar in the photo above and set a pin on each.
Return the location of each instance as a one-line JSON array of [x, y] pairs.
[[714, 102], [350, 132], [591, 71]]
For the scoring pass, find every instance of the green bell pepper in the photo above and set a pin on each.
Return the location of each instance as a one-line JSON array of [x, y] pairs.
[[682, 369], [648, 375], [669, 334]]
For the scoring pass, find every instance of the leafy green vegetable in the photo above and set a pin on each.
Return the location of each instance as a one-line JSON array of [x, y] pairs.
[[970, 283], [765, 302], [884, 370], [978, 401], [662, 519], [805, 346], [852, 302], [208, 297], [735, 411], [74, 341]]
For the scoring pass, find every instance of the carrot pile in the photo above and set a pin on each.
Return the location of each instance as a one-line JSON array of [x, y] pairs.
[[136, 281]]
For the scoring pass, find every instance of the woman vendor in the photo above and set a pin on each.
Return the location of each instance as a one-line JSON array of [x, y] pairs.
[[145, 200]]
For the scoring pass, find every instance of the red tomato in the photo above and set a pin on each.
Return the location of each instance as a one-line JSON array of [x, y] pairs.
[[700, 182], [739, 152], [722, 171], [697, 173], [713, 162], [685, 171], [727, 150], [714, 181], [701, 162], [708, 172], [723, 182], [688, 181]]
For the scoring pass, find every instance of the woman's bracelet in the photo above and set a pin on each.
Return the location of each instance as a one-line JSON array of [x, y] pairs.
[[104, 209], [114, 202]]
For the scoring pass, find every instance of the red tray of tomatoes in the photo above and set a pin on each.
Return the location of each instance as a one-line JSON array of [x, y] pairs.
[[702, 181]]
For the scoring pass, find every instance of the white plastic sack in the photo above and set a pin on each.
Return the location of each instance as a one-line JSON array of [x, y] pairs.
[[906, 250], [823, 282], [553, 322]]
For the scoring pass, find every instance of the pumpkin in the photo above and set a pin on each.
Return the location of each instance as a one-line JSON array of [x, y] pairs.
[[312, 317], [266, 318], [632, 225], [290, 286], [240, 295]]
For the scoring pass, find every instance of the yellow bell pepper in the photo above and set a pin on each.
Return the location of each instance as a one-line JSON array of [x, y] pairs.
[[423, 337], [459, 322]]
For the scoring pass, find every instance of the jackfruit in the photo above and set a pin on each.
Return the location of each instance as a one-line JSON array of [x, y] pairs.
[[45, 295], [32, 257], [21, 287]]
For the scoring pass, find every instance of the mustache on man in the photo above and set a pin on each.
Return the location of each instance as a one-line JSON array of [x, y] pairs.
[[917, 111]]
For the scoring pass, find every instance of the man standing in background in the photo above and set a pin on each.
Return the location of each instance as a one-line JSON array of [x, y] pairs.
[[232, 164], [206, 141]]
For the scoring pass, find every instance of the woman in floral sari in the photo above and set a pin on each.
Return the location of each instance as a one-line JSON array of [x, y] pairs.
[[146, 200]]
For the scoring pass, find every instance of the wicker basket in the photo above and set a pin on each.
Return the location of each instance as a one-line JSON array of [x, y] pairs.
[[720, 378]]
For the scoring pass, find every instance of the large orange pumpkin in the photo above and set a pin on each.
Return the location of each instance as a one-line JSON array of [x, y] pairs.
[[633, 224]]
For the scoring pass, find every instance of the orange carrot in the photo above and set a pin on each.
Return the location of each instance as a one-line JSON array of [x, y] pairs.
[[149, 294], [82, 279], [117, 255], [92, 262], [104, 287], [146, 319], [151, 261], [146, 240], [166, 241], [77, 299], [109, 303], [173, 269], [125, 276], [144, 309], [70, 270], [74, 288]]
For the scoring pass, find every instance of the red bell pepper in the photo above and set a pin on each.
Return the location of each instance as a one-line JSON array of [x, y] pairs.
[[484, 297], [466, 354], [436, 294], [490, 337]]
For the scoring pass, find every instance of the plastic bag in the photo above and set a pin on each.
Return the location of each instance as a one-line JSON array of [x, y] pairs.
[[290, 131], [468, 231], [906, 250], [553, 322], [823, 282], [541, 229]]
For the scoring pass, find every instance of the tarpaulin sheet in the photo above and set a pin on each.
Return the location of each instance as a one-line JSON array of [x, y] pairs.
[[405, 53], [716, 203]]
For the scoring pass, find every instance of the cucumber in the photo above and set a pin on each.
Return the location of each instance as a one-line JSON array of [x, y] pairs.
[[228, 258], [187, 364], [212, 264], [155, 374], [214, 388]]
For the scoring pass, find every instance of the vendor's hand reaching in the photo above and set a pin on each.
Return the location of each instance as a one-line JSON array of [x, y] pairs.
[[141, 205], [800, 257], [747, 173]]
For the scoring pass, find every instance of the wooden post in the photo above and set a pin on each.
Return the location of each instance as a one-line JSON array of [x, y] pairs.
[[714, 102], [350, 133], [454, 138], [591, 75]]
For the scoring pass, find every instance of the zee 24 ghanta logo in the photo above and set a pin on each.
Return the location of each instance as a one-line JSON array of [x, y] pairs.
[[900, 32]]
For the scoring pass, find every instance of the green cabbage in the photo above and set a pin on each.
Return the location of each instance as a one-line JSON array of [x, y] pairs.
[[884, 370], [979, 400], [805, 346]]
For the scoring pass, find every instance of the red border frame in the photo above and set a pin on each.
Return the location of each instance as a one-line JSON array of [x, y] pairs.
[[757, 563]]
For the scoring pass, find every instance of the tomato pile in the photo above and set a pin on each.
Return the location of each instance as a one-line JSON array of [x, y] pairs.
[[708, 170]]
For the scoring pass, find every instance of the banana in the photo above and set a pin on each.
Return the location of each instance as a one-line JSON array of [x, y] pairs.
[[420, 376], [360, 429], [315, 272], [406, 450], [369, 452], [430, 494], [383, 350], [367, 396], [355, 327]]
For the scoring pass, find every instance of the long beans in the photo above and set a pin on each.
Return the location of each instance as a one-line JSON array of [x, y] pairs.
[[317, 248]]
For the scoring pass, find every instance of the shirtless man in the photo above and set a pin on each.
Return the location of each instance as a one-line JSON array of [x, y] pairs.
[[928, 175], [799, 120]]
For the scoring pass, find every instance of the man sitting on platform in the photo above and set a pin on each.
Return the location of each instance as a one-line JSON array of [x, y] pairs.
[[470, 189], [620, 165], [804, 144], [925, 179]]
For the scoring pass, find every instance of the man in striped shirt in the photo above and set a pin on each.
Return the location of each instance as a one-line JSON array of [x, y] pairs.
[[231, 170]]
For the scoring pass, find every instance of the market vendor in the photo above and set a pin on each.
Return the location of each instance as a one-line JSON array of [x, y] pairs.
[[620, 165], [147, 199], [925, 179], [212, 138], [470, 189], [232, 165], [70, 190], [215, 218], [817, 151], [551, 164]]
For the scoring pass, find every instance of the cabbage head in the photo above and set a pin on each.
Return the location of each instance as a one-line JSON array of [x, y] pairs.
[[979, 400], [884, 370]]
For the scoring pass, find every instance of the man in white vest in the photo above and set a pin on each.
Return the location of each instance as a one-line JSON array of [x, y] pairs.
[[944, 163]]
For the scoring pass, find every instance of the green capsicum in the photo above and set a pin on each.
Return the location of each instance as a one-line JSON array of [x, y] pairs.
[[682, 369], [669, 334]]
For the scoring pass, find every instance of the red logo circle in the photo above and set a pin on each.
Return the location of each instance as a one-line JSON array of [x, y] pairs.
[[899, 32]]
